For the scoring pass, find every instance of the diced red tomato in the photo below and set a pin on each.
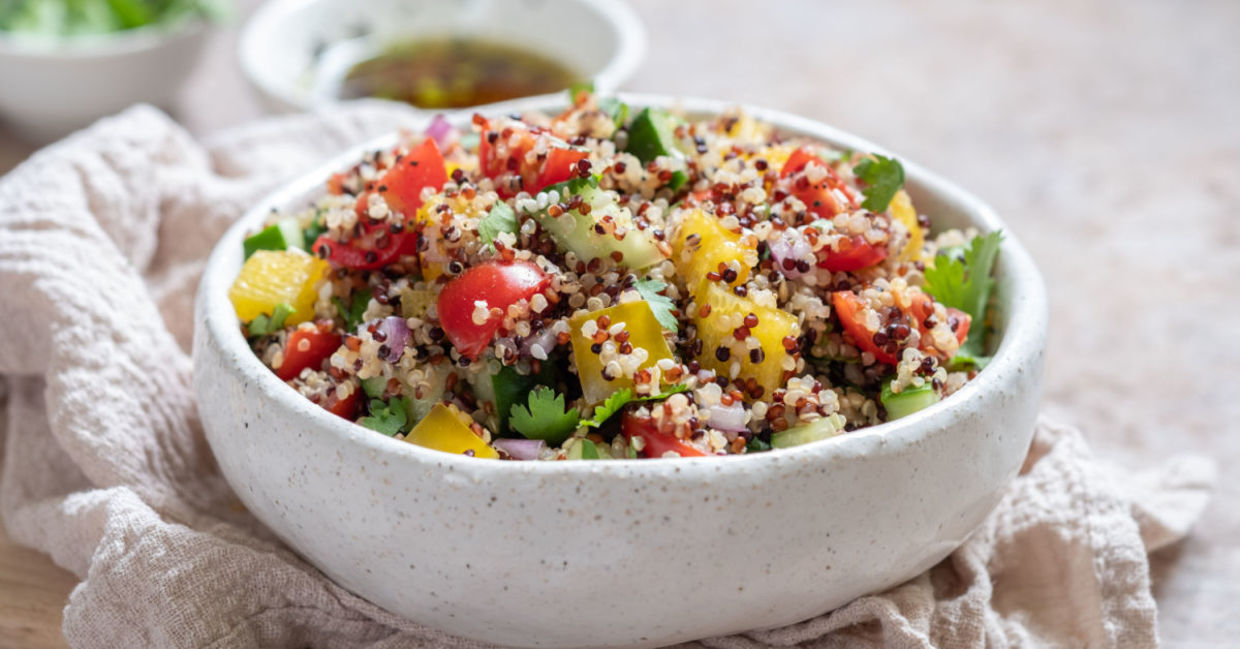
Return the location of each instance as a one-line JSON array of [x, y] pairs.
[[401, 186], [377, 247], [346, 407], [656, 443], [819, 197], [966, 320], [855, 253], [335, 184], [512, 162], [849, 308], [560, 165], [495, 284], [307, 346], [923, 307]]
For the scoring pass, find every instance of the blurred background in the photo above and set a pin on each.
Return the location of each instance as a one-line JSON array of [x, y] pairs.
[[1105, 132]]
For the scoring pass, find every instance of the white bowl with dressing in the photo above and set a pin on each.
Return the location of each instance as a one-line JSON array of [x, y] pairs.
[[296, 52]]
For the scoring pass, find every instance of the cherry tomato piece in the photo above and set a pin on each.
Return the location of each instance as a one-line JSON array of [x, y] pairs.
[[560, 165], [820, 197], [491, 285], [401, 186], [307, 346], [656, 443], [850, 310], [346, 407], [855, 253]]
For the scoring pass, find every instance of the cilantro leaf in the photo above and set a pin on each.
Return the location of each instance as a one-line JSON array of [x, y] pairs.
[[621, 398], [660, 305], [351, 314], [501, 218], [965, 284], [883, 177], [545, 417], [387, 417], [268, 324]]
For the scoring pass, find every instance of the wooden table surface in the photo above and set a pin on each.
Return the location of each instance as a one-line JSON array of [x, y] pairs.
[[1107, 134]]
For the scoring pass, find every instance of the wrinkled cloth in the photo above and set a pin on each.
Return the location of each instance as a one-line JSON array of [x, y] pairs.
[[102, 239]]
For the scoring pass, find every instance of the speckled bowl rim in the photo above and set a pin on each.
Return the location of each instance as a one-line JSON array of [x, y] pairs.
[[1020, 346]]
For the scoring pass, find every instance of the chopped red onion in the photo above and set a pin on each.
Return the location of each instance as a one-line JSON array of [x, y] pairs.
[[790, 246], [727, 418], [545, 339], [520, 449], [441, 131], [395, 337]]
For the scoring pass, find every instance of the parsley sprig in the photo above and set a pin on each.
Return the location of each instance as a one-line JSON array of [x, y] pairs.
[[623, 397], [661, 305], [388, 417], [883, 177], [965, 284], [545, 417], [501, 218]]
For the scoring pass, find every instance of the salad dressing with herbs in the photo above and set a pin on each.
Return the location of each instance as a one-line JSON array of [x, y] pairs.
[[454, 73]]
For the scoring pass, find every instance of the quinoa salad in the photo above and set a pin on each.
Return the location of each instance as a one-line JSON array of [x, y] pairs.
[[615, 281]]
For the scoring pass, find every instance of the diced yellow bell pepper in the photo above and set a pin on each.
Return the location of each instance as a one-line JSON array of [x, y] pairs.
[[270, 277], [702, 243], [717, 330], [443, 430], [903, 211], [644, 333], [777, 155]]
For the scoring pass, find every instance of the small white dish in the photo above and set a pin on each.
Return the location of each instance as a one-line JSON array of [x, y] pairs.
[[624, 552], [54, 85], [294, 52]]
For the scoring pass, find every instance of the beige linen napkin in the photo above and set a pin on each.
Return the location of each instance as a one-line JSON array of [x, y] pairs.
[[102, 237]]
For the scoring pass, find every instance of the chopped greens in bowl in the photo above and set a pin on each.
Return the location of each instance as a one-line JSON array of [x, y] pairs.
[[93, 17]]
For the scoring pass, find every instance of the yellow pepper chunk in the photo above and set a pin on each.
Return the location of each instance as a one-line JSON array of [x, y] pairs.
[[702, 243], [716, 330], [270, 277], [645, 333], [903, 211], [443, 430]]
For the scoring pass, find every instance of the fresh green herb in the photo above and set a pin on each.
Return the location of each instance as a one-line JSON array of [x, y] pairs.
[[268, 324], [756, 445], [621, 398], [314, 230], [501, 218], [351, 314], [660, 305], [387, 417], [545, 417], [588, 450], [679, 178], [966, 285], [618, 110], [78, 17], [883, 177]]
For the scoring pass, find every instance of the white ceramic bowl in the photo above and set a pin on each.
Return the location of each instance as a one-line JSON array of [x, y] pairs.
[[55, 85], [625, 552], [294, 51]]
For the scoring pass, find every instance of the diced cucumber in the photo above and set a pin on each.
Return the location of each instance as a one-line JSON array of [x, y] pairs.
[[581, 449], [575, 232], [437, 378], [504, 387], [284, 234], [818, 429], [374, 386], [908, 401], [652, 134]]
